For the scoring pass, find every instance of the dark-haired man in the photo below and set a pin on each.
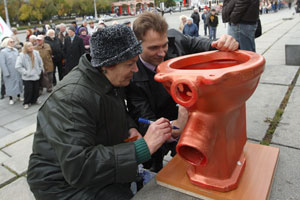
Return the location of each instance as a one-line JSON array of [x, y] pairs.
[[147, 98]]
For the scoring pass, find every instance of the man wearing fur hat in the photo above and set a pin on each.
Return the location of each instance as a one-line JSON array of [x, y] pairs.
[[73, 50], [149, 99], [79, 148]]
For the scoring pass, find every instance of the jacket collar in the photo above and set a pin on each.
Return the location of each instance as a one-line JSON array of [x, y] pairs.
[[142, 74], [99, 80]]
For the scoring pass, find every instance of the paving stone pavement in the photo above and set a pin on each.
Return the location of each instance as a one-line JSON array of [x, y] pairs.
[[17, 125]]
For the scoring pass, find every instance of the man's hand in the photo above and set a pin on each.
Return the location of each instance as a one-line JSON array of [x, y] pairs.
[[133, 133], [157, 133], [226, 43]]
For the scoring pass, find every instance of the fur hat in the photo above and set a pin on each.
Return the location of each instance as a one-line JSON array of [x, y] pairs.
[[113, 45]]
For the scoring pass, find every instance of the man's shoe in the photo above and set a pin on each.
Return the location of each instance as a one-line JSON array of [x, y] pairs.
[[21, 99], [11, 102], [26, 106]]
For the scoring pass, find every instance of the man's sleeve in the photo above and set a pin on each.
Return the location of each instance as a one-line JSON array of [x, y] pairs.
[[69, 124], [196, 44]]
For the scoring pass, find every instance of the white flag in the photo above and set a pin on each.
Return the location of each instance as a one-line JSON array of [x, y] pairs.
[[4, 30]]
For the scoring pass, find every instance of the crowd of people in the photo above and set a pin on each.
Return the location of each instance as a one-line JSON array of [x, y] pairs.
[[31, 66], [191, 25]]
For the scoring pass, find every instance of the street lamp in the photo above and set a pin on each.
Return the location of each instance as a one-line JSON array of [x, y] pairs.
[[96, 15], [6, 14]]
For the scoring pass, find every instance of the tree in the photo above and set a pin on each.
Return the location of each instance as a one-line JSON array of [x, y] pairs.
[[32, 10], [169, 3], [104, 5]]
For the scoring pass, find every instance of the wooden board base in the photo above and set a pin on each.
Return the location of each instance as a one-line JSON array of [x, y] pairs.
[[255, 183]]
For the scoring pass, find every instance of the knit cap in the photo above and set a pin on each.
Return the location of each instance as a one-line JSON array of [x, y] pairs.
[[72, 28], [113, 45], [82, 29]]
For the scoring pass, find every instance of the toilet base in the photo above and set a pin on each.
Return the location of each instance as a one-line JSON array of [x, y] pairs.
[[216, 184], [255, 183]]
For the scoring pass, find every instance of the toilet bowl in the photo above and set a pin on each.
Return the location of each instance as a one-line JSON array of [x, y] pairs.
[[214, 87]]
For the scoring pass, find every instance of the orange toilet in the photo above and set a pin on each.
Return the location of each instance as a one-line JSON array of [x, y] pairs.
[[214, 87]]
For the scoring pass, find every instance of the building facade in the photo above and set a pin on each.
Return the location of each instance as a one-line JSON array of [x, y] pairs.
[[131, 7]]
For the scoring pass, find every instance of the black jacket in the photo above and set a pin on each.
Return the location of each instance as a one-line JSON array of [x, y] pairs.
[[149, 99], [240, 11], [73, 51], [196, 18], [78, 147], [212, 20], [56, 47]]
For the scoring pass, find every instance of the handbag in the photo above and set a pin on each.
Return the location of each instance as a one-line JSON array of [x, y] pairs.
[[258, 31]]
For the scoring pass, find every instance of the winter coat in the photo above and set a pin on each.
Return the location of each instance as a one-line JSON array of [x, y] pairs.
[[25, 68], [78, 146], [212, 20], [191, 30], [11, 77], [56, 47], [203, 16], [73, 51], [46, 55], [148, 98], [240, 11], [196, 18], [86, 39]]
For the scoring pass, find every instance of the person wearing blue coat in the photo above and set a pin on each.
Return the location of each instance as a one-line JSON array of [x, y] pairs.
[[12, 78], [190, 28]]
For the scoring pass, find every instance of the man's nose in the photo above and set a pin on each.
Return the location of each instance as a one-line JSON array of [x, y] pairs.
[[161, 52]]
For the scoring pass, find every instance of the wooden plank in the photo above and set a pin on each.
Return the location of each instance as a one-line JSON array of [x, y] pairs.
[[256, 182]]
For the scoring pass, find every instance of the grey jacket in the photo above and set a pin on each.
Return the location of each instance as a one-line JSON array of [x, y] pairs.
[[12, 78], [24, 66]]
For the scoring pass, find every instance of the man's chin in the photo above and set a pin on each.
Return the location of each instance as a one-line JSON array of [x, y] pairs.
[[157, 62]]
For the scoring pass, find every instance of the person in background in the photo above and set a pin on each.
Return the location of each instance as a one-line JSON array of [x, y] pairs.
[[91, 27], [212, 22], [85, 25], [114, 23], [190, 28], [57, 54], [45, 52], [28, 34], [46, 27], [11, 77], [33, 40], [14, 36], [73, 50], [76, 28], [101, 25], [79, 147], [203, 17], [196, 17], [86, 39], [2, 82], [242, 16], [127, 23], [183, 20], [36, 31], [62, 34], [30, 65]]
